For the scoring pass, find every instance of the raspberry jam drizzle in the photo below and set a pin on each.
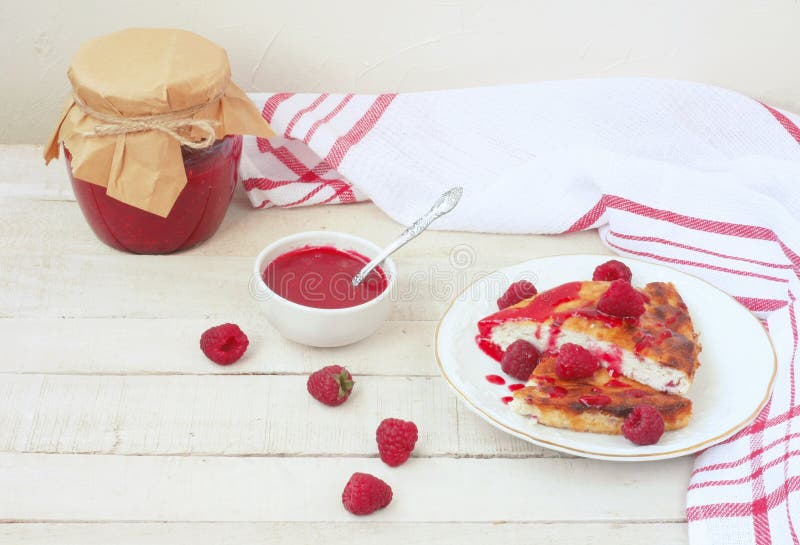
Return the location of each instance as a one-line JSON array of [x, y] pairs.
[[644, 343], [496, 379], [599, 400], [635, 392], [671, 320], [319, 277], [555, 331], [611, 357], [489, 348], [648, 340], [539, 309], [515, 387], [614, 383], [556, 391], [663, 336], [547, 386], [507, 399]]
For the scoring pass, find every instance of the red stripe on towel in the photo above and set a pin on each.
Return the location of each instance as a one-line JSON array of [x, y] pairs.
[[300, 113], [696, 264], [701, 250], [317, 124], [785, 122]]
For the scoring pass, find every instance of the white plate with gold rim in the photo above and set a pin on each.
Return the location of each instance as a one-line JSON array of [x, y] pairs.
[[732, 385]]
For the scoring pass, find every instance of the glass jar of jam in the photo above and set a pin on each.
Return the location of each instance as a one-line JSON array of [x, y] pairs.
[[152, 136], [211, 175]]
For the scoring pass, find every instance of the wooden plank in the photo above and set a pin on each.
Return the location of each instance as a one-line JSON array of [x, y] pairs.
[[171, 346], [185, 286], [38, 227], [233, 415], [24, 174], [43, 487], [351, 533]]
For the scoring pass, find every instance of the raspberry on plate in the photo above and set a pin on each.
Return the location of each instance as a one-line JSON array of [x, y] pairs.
[[612, 270], [644, 425], [520, 359], [574, 361], [396, 439], [516, 292], [621, 299], [330, 385], [224, 344], [365, 494]]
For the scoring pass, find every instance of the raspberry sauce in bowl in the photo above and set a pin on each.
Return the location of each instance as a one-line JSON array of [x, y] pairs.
[[320, 277], [303, 284]]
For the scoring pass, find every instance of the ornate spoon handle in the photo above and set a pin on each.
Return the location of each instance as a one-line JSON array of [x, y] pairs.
[[442, 206]]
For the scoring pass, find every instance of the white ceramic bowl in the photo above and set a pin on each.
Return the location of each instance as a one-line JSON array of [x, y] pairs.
[[318, 326]]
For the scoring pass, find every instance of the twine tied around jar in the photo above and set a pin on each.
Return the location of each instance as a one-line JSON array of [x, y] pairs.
[[169, 123]]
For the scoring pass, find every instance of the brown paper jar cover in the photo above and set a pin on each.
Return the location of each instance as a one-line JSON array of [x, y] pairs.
[[144, 72]]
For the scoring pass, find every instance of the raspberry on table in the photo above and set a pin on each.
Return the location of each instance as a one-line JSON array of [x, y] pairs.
[[612, 270], [365, 494], [330, 385], [520, 359], [396, 439], [644, 425], [224, 344], [621, 299], [574, 361], [516, 292]]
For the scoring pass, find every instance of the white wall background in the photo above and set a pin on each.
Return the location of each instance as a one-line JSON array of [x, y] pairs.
[[381, 45]]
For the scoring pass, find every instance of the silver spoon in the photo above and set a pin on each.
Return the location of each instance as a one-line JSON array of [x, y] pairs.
[[442, 206]]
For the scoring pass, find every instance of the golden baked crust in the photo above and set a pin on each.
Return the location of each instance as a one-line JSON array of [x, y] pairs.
[[664, 333], [596, 404]]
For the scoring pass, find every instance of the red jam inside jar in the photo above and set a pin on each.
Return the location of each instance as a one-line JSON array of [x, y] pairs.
[[196, 215], [320, 277]]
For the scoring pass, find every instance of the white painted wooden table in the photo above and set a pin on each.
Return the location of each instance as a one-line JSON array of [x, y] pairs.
[[114, 428]]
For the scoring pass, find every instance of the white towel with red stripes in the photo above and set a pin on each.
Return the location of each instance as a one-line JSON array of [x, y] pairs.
[[697, 177]]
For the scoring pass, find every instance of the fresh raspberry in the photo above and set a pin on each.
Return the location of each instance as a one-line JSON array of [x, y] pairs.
[[520, 359], [612, 270], [621, 299], [224, 344], [574, 361], [330, 385], [515, 293], [365, 494], [644, 425], [396, 439]]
